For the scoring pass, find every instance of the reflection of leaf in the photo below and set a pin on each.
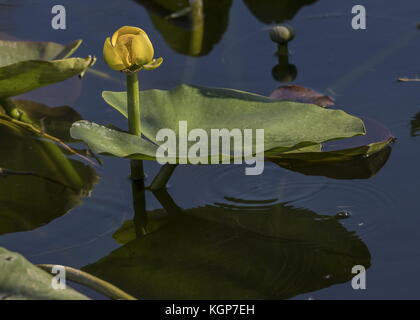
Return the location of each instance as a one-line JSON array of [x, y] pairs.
[[224, 253], [194, 33], [301, 94], [21, 280], [355, 163], [415, 125], [54, 121], [29, 201], [25, 66], [287, 125], [276, 11]]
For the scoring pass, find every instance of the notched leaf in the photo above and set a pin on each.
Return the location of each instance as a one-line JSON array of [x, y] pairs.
[[302, 94]]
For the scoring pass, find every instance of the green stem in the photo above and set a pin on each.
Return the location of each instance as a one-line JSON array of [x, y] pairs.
[[133, 104], [92, 282], [134, 119], [167, 202], [163, 177]]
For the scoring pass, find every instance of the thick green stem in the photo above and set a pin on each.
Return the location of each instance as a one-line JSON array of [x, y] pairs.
[[134, 121], [162, 177], [133, 104]]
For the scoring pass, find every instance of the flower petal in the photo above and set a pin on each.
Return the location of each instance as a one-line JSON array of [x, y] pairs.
[[142, 49], [125, 30], [112, 58], [154, 64]]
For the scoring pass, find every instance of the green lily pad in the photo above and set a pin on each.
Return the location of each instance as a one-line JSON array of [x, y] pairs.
[[38, 182], [287, 125], [25, 66], [224, 253], [21, 280], [109, 141]]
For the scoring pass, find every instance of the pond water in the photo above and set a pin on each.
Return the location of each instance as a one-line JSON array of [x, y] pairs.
[[217, 233]]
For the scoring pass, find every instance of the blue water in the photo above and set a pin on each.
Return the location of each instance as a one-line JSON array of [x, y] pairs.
[[358, 68]]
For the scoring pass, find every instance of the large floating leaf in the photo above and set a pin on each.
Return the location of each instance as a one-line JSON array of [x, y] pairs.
[[287, 125], [21, 280], [25, 66], [39, 182], [223, 253]]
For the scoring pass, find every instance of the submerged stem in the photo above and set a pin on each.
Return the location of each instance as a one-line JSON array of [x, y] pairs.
[[163, 177]]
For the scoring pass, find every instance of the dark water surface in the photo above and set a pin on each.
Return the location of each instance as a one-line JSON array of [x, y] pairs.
[[223, 234]]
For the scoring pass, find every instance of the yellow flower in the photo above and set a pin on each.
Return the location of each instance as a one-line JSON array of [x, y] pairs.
[[130, 48]]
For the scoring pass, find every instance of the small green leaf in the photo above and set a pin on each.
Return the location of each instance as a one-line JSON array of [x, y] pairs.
[[25, 66], [18, 51]]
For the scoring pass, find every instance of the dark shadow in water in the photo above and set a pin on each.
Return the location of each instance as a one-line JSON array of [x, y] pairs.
[[276, 11], [194, 27], [358, 168], [284, 71], [265, 252], [39, 181], [189, 29]]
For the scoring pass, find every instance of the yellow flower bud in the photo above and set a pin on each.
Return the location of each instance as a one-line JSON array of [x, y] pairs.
[[130, 49]]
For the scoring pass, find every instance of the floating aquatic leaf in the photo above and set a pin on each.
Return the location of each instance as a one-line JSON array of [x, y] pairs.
[[301, 94], [21, 280], [287, 125], [25, 66]]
